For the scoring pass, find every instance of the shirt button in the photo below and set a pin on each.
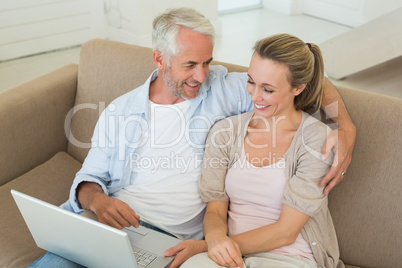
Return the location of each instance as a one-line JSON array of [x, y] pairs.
[[314, 243]]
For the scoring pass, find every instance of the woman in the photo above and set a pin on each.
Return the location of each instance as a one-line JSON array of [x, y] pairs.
[[262, 170]]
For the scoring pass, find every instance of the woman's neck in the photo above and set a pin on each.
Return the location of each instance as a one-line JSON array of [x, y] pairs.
[[288, 121]]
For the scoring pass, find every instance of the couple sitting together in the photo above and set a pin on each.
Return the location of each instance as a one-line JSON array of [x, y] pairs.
[[255, 193]]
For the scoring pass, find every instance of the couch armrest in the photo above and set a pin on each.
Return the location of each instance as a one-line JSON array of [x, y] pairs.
[[32, 121]]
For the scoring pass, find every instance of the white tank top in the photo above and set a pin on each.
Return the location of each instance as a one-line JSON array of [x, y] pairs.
[[256, 200], [164, 177]]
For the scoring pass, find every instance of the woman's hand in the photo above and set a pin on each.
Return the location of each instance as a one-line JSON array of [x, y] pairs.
[[224, 251], [184, 250]]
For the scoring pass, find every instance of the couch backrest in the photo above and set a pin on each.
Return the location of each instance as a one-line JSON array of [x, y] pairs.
[[367, 205], [107, 69]]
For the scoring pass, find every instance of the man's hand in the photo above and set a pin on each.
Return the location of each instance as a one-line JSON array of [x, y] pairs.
[[110, 211], [342, 142], [184, 250]]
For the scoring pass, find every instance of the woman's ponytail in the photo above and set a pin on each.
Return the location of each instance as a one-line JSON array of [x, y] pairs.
[[305, 63]]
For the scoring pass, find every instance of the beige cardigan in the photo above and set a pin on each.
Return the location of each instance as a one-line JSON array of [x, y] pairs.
[[304, 171]]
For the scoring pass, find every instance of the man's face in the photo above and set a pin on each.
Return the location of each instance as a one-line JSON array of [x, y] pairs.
[[190, 67]]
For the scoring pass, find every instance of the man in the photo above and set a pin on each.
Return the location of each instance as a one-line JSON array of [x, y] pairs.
[[154, 137]]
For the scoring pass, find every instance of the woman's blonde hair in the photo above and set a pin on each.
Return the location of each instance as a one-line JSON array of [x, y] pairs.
[[305, 64]]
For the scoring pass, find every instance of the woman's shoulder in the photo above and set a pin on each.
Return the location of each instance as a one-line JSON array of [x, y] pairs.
[[311, 126], [230, 129], [312, 134], [234, 121]]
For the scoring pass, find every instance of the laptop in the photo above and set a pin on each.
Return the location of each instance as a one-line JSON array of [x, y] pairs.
[[83, 240]]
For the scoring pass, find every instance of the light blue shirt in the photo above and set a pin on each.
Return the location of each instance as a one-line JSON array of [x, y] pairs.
[[118, 132]]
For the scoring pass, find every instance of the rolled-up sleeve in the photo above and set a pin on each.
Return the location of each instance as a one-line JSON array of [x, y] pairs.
[[216, 162], [303, 191], [96, 165]]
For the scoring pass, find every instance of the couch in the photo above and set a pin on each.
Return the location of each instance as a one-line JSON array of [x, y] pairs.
[[46, 126]]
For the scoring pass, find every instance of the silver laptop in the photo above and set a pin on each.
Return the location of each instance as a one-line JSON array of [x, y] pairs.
[[91, 243]]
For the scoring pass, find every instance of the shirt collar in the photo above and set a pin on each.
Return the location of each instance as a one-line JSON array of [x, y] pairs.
[[140, 98], [141, 95]]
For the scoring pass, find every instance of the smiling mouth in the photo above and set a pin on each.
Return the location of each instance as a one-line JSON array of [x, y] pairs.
[[260, 106], [194, 86]]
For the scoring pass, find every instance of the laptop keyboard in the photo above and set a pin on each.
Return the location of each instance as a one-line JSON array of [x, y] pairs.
[[144, 258]]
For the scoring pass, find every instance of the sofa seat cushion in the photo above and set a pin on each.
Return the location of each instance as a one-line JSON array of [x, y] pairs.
[[50, 182]]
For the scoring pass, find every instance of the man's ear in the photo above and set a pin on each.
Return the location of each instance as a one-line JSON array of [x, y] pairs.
[[299, 89], [159, 60]]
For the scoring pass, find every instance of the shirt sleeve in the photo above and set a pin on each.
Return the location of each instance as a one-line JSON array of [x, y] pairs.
[[216, 163], [233, 86], [303, 191], [237, 83], [96, 165]]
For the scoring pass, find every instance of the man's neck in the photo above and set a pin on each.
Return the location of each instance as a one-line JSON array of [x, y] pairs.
[[159, 94]]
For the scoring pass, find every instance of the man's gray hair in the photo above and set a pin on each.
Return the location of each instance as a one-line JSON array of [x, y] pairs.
[[166, 28]]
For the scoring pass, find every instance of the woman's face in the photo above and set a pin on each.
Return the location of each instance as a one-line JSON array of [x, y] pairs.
[[269, 87]]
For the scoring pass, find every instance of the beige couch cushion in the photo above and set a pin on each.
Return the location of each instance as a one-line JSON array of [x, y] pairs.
[[107, 70], [366, 206], [32, 117], [45, 182]]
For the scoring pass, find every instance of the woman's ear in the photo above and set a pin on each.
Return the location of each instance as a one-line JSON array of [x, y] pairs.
[[299, 89], [159, 60]]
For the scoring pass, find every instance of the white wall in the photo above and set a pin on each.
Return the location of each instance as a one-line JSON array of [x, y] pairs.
[[33, 26], [130, 21], [375, 8], [288, 7], [30, 27], [348, 12], [234, 5]]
